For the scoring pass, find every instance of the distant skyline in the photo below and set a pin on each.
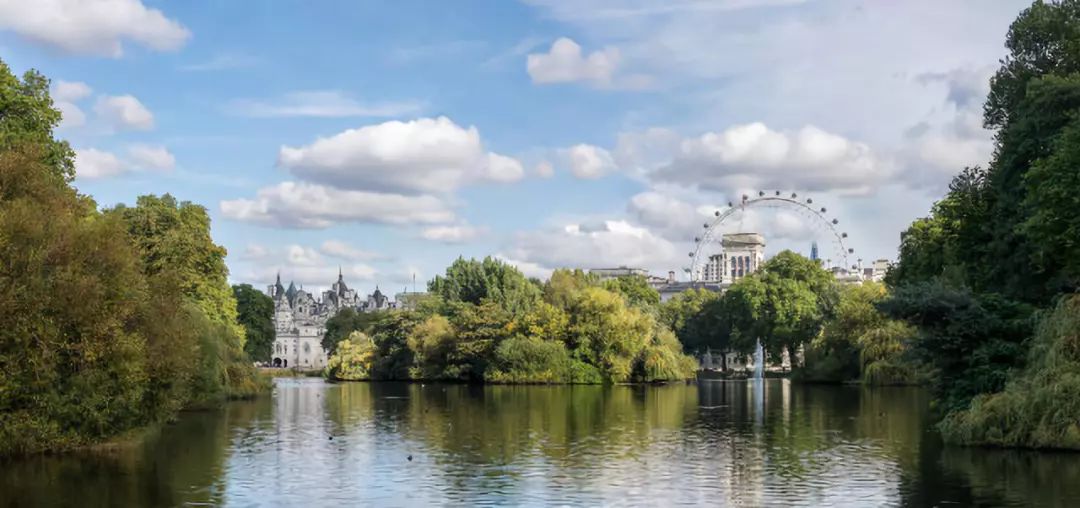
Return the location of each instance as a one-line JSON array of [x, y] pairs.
[[391, 137]]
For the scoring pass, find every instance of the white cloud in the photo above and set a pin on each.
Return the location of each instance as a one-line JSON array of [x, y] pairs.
[[153, 157], [222, 61], [669, 216], [610, 242], [459, 233], [320, 103], [95, 27], [255, 252], [65, 94], [303, 256], [621, 10], [91, 163], [70, 91], [311, 206], [429, 155], [588, 161], [500, 168], [753, 156], [342, 250], [952, 136], [544, 169], [124, 112], [565, 63]]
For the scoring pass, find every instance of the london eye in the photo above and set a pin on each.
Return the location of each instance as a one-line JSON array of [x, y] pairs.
[[716, 233]]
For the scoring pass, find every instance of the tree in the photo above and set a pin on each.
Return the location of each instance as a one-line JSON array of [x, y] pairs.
[[695, 319], [70, 294], [173, 239], [341, 325], [972, 342], [354, 359], [565, 286], [255, 312], [636, 290], [1054, 198], [473, 281], [608, 334], [27, 120]]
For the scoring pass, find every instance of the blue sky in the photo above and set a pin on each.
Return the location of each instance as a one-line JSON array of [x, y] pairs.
[[390, 137]]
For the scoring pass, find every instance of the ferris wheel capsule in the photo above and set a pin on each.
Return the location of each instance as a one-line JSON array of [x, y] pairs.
[[835, 221], [717, 213], [809, 201], [793, 195], [691, 254], [777, 193], [823, 209], [761, 193], [843, 235], [851, 251]]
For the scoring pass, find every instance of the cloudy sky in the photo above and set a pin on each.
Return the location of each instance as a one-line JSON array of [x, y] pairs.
[[390, 137]]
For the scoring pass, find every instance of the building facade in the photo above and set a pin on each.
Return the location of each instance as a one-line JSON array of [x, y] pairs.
[[300, 320], [742, 255]]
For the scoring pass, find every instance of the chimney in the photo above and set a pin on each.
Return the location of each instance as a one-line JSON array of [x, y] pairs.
[[671, 276]]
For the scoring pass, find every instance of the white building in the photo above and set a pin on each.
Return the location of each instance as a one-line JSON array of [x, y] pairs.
[[300, 320], [742, 255], [614, 273]]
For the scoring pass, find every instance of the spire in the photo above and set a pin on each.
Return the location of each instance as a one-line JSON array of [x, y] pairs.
[[279, 277], [339, 276]]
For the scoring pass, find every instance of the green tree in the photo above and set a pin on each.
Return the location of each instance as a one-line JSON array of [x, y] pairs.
[[255, 312], [473, 281], [174, 238], [27, 120], [354, 359], [696, 319], [565, 286], [341, 325], [972, 342], [636, 290], [1054, 198]]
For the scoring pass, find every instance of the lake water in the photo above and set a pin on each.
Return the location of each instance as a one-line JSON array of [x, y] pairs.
[[721, 443]]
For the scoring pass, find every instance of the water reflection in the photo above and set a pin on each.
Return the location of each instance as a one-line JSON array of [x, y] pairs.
[[717, 443]]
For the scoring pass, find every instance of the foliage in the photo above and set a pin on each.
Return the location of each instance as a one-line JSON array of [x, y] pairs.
[[472, 281], [971, 341], [1040, 408], [255, 312], [635, 289], [353, 360], [565, 286], [859, 342], [341, 325], [27, 119], [530, 359], [784, 305], [697, 319]]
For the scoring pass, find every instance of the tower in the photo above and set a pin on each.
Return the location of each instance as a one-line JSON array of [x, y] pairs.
[[813, 252]]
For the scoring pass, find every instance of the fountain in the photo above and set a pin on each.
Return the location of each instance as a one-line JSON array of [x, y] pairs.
[[758, 384], [759, 361]]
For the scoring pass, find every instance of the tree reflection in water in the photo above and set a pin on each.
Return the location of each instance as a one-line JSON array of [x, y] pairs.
[[323, 444]]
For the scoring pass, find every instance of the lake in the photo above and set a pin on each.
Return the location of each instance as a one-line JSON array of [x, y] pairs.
[[721, 443]]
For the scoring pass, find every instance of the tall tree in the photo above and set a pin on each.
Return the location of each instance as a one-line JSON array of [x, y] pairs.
[[473, 281], [255, 312], [27, 119]]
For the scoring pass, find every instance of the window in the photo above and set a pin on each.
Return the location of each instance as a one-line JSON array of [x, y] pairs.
[[307, 347]]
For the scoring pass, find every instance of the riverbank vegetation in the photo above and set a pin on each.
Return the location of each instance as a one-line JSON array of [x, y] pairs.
[[485, 322], [109, 320], [989, 278]]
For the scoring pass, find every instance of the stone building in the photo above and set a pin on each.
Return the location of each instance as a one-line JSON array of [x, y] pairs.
[[742, 255], [300, 320]]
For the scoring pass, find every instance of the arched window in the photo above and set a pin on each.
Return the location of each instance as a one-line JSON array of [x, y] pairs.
[[307, 347]]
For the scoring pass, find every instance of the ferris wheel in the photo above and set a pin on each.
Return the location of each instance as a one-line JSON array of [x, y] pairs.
[[710, 241]]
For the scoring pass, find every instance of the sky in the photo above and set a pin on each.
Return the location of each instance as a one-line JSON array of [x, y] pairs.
[[388, 138]]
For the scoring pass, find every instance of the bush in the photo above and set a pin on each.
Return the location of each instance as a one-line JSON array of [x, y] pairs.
[[354, 359], [1041, 407], [530, 360]]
